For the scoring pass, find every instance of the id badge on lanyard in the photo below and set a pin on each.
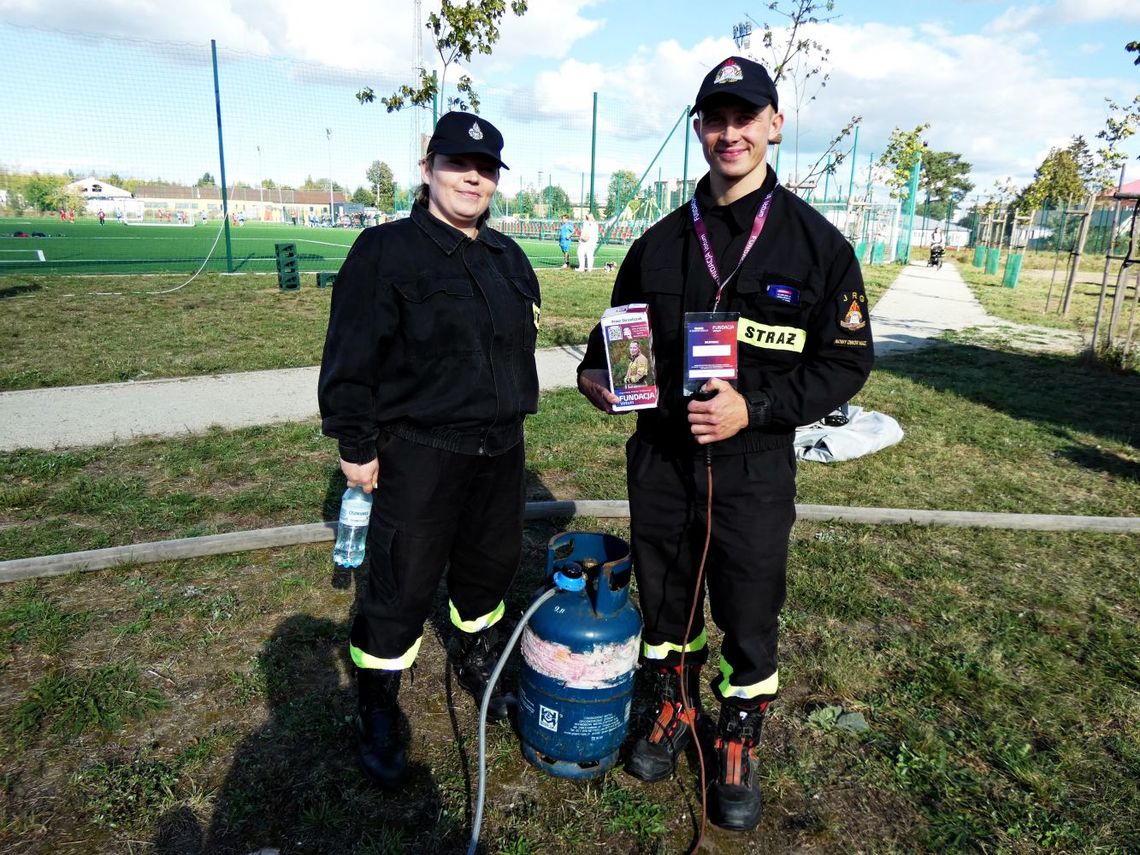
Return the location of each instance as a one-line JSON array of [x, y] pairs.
[[710, 337], [710, 348]]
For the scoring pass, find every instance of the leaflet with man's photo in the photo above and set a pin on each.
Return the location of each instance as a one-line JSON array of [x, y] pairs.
[[629, 355]]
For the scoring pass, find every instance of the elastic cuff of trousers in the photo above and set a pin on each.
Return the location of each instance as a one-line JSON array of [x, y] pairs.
[[369, 662], [669, 650], [480, 623], [764, 690]]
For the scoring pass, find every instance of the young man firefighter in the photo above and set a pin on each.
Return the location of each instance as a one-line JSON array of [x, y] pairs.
[[788, 285]]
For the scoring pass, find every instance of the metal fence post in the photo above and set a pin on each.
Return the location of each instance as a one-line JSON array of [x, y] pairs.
[[222, 158]]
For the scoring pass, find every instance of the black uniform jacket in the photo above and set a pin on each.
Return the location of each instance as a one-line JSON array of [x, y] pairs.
[[804, 339], [431, 337]]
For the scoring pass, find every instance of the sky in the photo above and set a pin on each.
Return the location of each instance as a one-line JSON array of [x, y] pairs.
[[1000, 83]]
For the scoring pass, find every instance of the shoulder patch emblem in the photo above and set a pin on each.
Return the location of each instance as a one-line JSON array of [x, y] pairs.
[[853, 304]]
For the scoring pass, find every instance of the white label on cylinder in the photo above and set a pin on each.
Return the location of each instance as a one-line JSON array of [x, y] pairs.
[[599, 668]]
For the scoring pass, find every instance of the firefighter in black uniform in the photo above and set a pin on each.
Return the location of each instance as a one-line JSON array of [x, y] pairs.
[[427, 374], [742, 245]]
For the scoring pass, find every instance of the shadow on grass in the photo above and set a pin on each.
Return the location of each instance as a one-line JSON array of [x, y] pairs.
[[1065, 392], [18, 290], [295, 779]]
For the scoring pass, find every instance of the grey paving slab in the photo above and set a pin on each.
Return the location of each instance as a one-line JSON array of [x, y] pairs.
[[116, 412], [922, 304]]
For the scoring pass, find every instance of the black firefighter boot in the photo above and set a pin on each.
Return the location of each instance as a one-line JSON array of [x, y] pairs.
[[735, 802], [475, 658], [381, 749], [654, 754]]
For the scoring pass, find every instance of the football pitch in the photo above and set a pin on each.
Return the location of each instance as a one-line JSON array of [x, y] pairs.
[[85, 247]]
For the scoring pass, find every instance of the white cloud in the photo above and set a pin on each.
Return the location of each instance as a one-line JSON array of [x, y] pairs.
[[994, 98], [1066, 13]]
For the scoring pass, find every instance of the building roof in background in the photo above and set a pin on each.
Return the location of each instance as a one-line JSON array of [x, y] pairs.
[[95, 188], [239, 194]]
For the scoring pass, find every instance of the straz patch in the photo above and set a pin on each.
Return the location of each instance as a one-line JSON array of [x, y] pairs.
[[770, 338], [853, 305]]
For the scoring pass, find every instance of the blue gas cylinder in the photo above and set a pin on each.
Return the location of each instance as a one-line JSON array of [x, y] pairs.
[[579, 653]]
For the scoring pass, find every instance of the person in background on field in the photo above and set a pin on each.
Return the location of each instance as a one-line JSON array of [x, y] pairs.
[[587, 243], [102, 218], [565, 233], [427, 374], [71, 215], [788, 279]]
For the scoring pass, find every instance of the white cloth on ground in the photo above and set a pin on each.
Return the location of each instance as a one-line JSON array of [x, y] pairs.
[[865, 433]]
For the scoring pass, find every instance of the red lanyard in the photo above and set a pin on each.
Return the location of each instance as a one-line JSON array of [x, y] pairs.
[[706, 245]]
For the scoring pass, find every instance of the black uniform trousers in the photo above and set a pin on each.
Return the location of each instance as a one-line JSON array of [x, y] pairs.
[[436, 510], [753, 513]]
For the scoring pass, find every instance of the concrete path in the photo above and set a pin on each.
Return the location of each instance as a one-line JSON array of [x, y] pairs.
[[922, 304], [116, 412]]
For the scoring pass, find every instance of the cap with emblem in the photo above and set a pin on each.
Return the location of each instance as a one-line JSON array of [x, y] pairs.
[[466, 133], [740, 77]]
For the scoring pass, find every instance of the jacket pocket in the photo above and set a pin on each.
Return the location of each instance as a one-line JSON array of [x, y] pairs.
[[527, 292], [436, 315]]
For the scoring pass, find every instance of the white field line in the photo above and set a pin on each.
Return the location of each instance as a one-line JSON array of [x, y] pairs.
[[39, 256]]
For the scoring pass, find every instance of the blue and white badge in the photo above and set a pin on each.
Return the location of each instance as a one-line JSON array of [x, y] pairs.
[[784, 293]]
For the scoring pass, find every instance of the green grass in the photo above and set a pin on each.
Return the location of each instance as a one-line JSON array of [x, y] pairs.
[[85, 247], [120, 328], [979, 436]]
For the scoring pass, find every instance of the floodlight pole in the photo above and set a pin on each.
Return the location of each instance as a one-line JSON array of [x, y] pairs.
[[593, 154], [328, 136], [685, 165], [222, 158]]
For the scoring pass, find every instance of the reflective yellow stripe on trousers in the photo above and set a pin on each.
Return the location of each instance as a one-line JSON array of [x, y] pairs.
[[764, 687], [662, 651], [375, 663], [479, 623]]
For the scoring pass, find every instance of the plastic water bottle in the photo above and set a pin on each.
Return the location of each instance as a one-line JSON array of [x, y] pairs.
[[352, 527]]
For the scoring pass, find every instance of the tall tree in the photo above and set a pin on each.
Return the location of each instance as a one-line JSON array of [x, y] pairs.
[[1122, 122], [458, 30], [1056, 181], [207, 180], [45, 192], [554, 201], [525, 201], [622, 188], [380, 177], [362, 196], [943, 182], [311, 183], [797, 58], [898, 158]]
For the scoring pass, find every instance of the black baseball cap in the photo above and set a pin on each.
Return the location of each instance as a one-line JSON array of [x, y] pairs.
[[741, 78], [465, 133]]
